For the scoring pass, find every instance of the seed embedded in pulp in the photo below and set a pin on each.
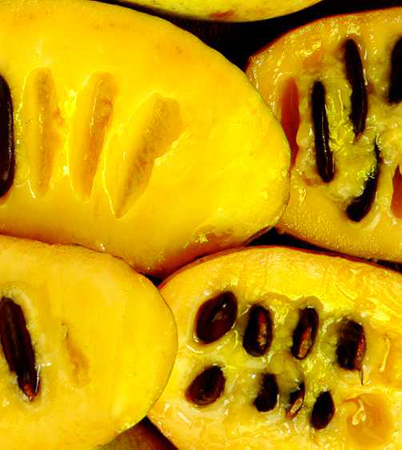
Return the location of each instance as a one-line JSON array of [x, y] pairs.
[[268, 395], [395, 87], [323, 411], [7, 153], [207, 387], [351, 347], [216, 317], [296, 401], [17, 346], [305, 333], [259, 331]]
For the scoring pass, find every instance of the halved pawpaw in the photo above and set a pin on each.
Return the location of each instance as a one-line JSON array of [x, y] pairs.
[[228, 10], [79, 362], [336, 87], [140, 140], [282, 348]]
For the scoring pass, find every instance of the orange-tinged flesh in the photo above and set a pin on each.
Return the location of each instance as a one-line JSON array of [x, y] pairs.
[[92, 322], [153, 149], [317, 210], [368, 402]]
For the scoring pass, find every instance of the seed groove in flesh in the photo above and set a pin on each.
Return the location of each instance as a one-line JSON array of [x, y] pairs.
[[207, 387], [258, 335], [17, 347], [395, 87], [323, 411], [296, 401], [216, 317], [267, 397], [7, 151], [323, 153], [305, 333], [351, 347]]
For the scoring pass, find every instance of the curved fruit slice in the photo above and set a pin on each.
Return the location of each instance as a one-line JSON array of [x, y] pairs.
[[312, 359], [79, 362], [338, 92], [123, 144], [228, 10]]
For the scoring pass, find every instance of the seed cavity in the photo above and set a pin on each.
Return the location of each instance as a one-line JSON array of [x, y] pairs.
[[268, 395], [395, 87], [396, 205], [257, 338], [355, 76], [351, 347], [323, 153], [305, 333], [361, 205], [216, 317], [296, 401], [207, 387], [290, 115], [17, 346], [323, 411], [7, 151]]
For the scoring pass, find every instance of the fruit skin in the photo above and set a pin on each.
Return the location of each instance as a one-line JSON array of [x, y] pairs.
[[284, 280], [228, 10], [316, 212], [89, 317], [164, 170]]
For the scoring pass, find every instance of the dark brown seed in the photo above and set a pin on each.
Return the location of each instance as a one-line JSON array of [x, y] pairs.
[[259, 331], [355, 76], [17, 347], [351, 347], [296, 401], [268, 395], [395, 87], [323, 411], [361, 205], [216, 317], [323, 153], [207, 387], [7, 156], [305, 333]]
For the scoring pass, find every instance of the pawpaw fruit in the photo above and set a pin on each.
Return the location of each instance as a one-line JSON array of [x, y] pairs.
[[121, 143], [78, 361], [336, 89], [282, 348], [227, 10]]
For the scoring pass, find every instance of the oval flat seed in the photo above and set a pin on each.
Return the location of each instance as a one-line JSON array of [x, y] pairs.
[[355, 76], [259, 331], [216, 317], [305, 333], [323, 411], [17, 347], [207, 387], [296, 401], [323, 153], [268, 396], [361, 205], [395, 87], [7, 154], [351, 347]]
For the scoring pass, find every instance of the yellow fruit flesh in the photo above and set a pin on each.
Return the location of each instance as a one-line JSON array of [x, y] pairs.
[[123, 143], [367, 414], [90, 318]]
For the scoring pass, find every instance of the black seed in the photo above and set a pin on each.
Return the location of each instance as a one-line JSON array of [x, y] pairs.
[[361, 205], [296, 401], [268, 395], [305, 333], [216, 317], [351, 347], [17, 347], [207, 387], [323, 411], [355, 76], [323, 153], [395, 87], [259, 331], [7, 156]]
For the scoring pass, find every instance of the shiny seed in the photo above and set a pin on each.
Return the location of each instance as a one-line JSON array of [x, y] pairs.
[[207, 387], [7, 151], [17, 346], [351, 347], [259, 331], [296, 401], [395, 87], [305, 333], [323, 411], [216, 317], [268, 396]]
